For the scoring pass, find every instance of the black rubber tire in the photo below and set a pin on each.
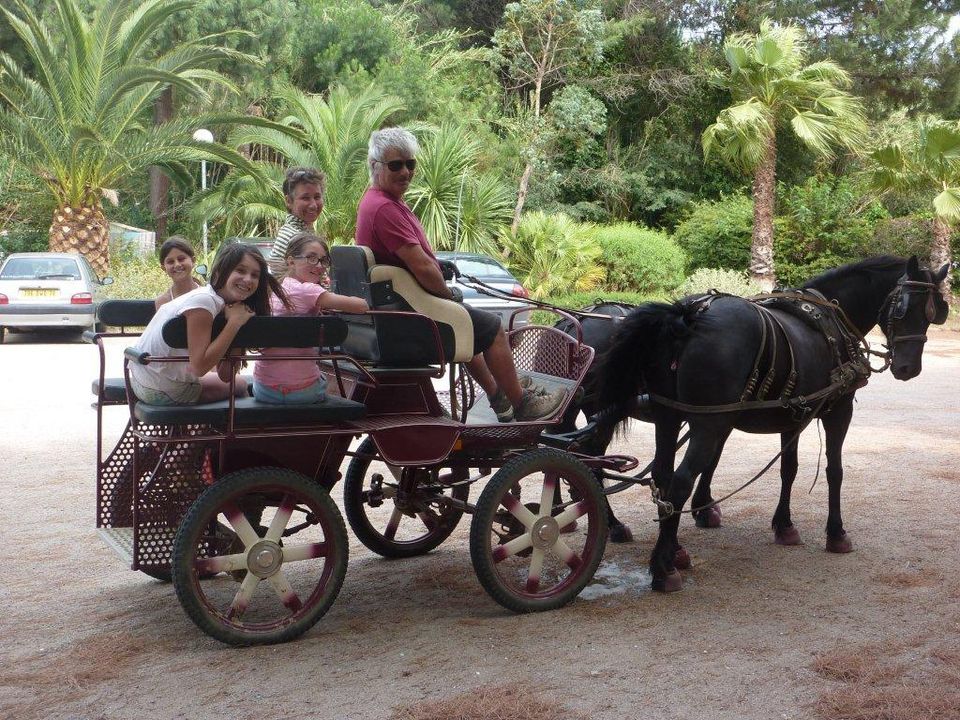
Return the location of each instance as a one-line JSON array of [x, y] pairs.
[[355, 484], [491, 513], [259, 486]]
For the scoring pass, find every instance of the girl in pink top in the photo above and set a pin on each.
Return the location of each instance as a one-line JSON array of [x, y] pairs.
[[290, 382]]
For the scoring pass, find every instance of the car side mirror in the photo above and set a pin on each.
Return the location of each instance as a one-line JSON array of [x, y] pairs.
[[201, 270], [448, 269], [106, 281]]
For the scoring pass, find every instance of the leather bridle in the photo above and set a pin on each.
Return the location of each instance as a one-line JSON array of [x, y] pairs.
[[898, 302]]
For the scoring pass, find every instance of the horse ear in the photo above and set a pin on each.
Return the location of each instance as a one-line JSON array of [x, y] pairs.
[[913, 266], [941, 273]]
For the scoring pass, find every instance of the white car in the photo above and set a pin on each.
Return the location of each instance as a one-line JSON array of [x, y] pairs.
[[490, 272], [48, 290]]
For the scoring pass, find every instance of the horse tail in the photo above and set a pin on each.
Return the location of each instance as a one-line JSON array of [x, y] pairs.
[[647, 334]]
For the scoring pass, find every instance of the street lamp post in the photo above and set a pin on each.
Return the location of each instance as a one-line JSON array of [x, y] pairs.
[[205, 136]]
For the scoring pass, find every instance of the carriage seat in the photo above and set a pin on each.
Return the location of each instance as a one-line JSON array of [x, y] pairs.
[[397, 341], [258, 332]]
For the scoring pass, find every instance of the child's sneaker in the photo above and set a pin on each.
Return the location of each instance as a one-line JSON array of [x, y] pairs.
[[502, 407], [537, 404]]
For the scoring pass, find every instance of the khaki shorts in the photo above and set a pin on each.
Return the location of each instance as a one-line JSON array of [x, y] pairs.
[[187, 393]]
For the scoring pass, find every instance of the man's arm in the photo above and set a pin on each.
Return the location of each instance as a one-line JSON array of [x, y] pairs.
[[425, 270]]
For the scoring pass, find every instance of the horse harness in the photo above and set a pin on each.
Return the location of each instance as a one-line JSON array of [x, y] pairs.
[[850, 351]]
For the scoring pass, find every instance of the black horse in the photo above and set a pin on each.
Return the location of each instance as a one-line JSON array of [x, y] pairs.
[[700, 364]]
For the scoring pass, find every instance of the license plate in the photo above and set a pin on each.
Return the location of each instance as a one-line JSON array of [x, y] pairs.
[[38, 292]]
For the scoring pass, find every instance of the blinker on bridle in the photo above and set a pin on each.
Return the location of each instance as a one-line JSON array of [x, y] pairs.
[[898, 303]]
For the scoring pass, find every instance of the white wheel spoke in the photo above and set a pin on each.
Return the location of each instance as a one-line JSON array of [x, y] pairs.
[[391, 530], [572, 559], [536, 566], [241, 526], [221, 563], [518, 544], [280, 520], [242, 598], [305, 552], [517, 509], [573, 512], [546, 494], [285, 591]]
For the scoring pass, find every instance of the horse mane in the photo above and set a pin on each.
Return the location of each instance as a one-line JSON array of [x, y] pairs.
[[879, 264]]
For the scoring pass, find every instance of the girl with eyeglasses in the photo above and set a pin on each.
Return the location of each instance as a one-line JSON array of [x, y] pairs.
[[297, 382]]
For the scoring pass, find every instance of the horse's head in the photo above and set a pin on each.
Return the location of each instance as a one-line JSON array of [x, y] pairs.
[[911, 307]]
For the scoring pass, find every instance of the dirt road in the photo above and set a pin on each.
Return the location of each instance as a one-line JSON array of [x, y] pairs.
[[760, 631]]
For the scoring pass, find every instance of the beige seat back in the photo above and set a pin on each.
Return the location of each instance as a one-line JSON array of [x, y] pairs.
[[397, 341]]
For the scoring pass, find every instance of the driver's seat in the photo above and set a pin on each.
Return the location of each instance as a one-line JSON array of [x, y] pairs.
[[399, 341]]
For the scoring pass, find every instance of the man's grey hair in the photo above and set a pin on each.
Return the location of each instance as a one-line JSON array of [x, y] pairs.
[[398, 138]]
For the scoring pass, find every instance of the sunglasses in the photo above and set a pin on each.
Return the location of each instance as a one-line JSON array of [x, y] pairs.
[[397, 165], [314, 259]]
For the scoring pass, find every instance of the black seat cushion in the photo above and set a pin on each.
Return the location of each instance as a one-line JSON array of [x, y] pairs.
[[126, 313], [115, 390], [250, 411]]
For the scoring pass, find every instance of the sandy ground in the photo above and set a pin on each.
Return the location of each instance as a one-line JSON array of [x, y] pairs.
[[84, 637]]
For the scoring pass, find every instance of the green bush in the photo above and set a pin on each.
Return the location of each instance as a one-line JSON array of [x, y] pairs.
[[637, 259], [717, 234], [823, 223], [727, 281], [578, 300], [136, 278], [552, 253], [903, 236]]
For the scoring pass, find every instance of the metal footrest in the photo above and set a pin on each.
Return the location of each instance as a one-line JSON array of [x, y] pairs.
[[120, 540]]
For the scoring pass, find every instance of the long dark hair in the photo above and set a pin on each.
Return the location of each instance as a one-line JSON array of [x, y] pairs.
[[231, 256]]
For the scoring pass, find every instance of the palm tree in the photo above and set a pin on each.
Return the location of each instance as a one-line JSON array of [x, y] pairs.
[[327, 133], [83, 124], [772, 88], [927, 160], [459, 206]]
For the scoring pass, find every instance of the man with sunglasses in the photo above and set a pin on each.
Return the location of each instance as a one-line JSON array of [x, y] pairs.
[[303, 194], [388, 227]]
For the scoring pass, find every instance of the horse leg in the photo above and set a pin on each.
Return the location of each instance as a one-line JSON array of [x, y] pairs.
[[709, 518], [704, 444], [783, 530], [835, 425]]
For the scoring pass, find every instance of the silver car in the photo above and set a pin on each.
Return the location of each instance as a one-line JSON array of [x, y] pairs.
[[490, 272], [48, 290]]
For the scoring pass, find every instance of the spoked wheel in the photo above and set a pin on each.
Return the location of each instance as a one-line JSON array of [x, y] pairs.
[[529, 553], [259, 557], [400, 516]]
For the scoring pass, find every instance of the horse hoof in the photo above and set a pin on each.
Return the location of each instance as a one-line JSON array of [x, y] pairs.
[[620, 534], [681, 559], [709, 518], [840, 544], [787, 536], [673, 582]]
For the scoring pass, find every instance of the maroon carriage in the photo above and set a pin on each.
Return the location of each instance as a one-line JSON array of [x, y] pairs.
[[231, 500]]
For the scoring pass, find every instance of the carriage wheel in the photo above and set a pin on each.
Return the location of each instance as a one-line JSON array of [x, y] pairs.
[[529, 559], [390, 522], [259, 557]]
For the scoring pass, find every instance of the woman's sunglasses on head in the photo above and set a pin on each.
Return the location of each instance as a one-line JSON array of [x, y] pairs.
[[397, 165]]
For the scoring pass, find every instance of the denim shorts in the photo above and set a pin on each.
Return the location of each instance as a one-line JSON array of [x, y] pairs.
[[301, 396], [187, 393]]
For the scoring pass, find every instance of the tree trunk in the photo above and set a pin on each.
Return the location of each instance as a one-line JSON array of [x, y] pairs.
[[521, 197], [764, 203], [160, 183], [82, 230], [940, 252]]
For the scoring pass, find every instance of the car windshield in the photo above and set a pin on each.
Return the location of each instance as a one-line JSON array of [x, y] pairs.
[[481, 267], [40, 269]]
